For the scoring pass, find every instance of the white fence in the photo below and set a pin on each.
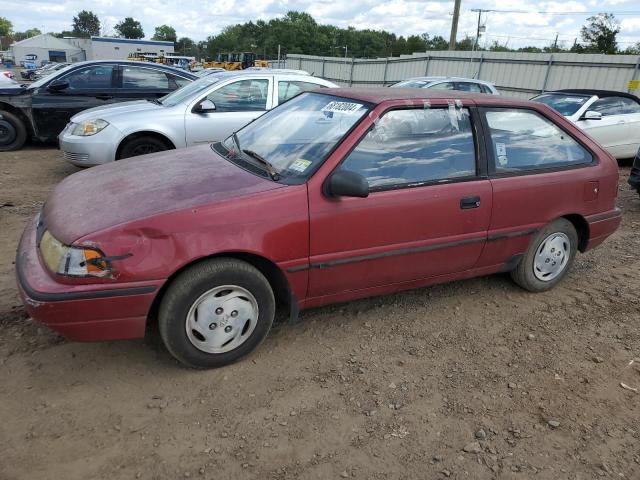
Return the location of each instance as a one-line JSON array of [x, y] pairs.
[[516, 74]]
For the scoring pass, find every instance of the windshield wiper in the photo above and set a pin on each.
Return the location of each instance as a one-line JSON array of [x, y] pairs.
[[275, 176]]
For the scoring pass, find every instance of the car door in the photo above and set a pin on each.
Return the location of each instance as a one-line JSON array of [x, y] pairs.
[[139, 82], [236, 103], [427, 213], [539, 172], [87, 87], [612, 131], [631, 113]]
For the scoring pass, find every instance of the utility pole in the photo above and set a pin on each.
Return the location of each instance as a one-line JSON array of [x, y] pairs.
[[454, 25], [279, 66], [555, 44], [475, 44]]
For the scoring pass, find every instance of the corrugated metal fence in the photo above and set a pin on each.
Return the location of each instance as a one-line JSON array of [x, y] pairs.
[[517, 74]]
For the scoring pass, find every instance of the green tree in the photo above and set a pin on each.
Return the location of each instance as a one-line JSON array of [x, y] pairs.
[[185, 46], [129, 28], [32, 32], [86, 24], [633, 50], [165, 33], [600, 33], [6, 27]]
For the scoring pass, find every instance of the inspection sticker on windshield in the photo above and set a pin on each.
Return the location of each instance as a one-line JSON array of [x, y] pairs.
[[501, 149], [342, 107], [300, 165]]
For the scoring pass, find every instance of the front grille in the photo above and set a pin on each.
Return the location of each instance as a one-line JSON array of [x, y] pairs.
[[75, 157]]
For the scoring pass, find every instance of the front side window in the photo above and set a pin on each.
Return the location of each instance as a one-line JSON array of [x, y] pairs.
[[411, 147], [524, 140], [289, 88], [88, 78], [296, 137], [144, 78], [564, 104], [242, 96]]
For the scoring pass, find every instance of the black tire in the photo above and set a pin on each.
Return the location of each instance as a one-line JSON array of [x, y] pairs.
[[13, 132], [190, 286], [524, 274], [142, 146]]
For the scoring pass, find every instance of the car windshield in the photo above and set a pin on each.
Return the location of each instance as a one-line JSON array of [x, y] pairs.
[[411, 84], [45, 79], [564, 104], [188, 91], [296, 137]]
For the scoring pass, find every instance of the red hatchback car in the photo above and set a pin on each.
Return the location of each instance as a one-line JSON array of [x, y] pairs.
[[334, 195]]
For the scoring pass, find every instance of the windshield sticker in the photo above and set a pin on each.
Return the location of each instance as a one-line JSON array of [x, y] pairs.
[[503, 160], [342, 107], [300, 165], [501, 149]]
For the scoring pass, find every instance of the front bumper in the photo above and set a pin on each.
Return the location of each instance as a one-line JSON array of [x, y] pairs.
[[88, 312], [89, 151], [634, 177]]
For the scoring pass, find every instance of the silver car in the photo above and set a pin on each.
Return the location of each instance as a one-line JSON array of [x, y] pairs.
[[205, 111], [449, 83]]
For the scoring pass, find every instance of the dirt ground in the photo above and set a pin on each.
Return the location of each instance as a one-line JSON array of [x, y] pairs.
[[388, 388]]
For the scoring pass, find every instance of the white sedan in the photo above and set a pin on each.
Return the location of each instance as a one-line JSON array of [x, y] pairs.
[[205, 111], [611, 118]]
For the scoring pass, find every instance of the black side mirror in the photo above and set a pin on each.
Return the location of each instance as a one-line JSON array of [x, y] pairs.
[[344, 183], [205, 106], [58, 85]]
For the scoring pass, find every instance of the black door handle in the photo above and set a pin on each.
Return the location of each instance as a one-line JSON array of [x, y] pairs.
[[469, 202], [104, 97]]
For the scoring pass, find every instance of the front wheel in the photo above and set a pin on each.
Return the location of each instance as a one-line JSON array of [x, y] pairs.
[[142, 146], [548, 258], [216, 312], [13, 132]]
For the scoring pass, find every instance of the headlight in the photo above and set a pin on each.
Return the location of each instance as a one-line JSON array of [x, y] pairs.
[[89, 127], [72, 261]]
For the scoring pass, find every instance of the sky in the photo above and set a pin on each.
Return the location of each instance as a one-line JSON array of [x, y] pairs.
[[200, 18]]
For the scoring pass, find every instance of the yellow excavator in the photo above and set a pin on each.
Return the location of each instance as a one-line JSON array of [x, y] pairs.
[[236, 61]]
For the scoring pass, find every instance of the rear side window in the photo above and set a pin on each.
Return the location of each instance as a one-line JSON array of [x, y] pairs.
[[144, 78], [524, 140], [615, 106], [443, 86], [288, 89], [629, 105], [468, 87], [411, 147], [177, 82]]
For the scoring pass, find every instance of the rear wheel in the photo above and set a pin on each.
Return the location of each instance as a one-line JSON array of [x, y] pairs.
[[216, 312], [548, 258], [142, 146], [13, 132]]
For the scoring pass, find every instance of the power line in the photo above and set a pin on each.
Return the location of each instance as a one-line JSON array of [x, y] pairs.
[[629, 12]]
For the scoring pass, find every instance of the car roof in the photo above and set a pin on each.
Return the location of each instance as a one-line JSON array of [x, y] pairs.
[[440, 79], [141, 64], [382, 94], [599, 93], [256, 73]]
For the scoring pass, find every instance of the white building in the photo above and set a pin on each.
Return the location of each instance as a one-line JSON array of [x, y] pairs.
[[48, 47], [45, 47]]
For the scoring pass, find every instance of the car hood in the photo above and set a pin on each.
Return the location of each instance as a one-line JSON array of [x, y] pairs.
[[110, 111], [133, 189]]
